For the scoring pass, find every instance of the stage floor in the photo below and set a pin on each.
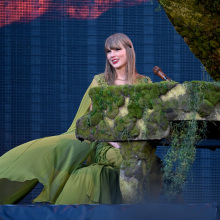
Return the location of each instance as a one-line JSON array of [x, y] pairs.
[[109, 212]]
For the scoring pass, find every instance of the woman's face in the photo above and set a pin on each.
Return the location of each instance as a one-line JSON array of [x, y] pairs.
[[117, 57]]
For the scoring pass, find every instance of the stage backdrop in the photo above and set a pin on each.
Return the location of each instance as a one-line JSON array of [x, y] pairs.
[[50, 50]]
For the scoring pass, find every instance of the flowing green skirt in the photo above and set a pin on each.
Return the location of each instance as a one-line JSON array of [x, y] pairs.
[[57, 163]]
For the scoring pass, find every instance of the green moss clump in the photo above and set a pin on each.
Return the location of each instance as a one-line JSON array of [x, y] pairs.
[[147, 99], [135, 110], [118, 91], [164, 123], [83, 133], [130, 126], [119, 128], [93, 91], [158, 104], [163, 88], [120, 101], [212, 97], [112, 111], [172, 103], [102, 124], [139, 88], [205, 108], [126, 90], [142, 102], [96, 118], [134, 132], [84, 122], [129, 119], [119, 119], [109, 100], [106, 136], [155, 92]]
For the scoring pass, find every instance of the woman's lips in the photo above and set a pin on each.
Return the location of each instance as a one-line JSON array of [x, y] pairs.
[[114, 61]]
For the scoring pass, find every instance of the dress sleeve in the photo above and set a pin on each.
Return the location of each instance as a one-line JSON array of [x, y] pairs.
[[84, 106]]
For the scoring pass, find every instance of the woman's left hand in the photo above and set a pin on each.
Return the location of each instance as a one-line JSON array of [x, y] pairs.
[[114, 144]]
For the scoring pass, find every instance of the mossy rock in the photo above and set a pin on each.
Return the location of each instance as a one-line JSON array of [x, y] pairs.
[[198, 22], [147, 116]]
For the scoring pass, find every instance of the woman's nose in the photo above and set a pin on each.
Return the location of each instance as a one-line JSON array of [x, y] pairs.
[[112, 53]]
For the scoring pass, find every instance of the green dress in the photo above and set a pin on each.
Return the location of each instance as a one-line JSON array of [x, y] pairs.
[[57, 163]]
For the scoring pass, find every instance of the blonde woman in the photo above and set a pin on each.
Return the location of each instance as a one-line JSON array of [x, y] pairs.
[[57, 161]]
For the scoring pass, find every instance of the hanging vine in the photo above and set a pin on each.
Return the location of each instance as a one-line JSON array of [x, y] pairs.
[[180, 157]]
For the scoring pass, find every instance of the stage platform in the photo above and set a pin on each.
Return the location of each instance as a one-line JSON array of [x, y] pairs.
[[109, 212]]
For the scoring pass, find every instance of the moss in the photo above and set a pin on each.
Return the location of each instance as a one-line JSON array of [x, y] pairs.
[[147, 99], [129, 119], [135, 111], [152, 128], [124, 136], [92, 131], [164, 124], [135, 149], [216, 86], [134, 132], [107, 136], [102, 124], [112, 111], [120, 101], [155, 92], [172, 103], [214, 43], [102, 131], [126, 90], [163, 88], [84, 122], [118, 119], [142, 102], [119, 128], [139, 88], [212, 97], [93, 91], [205, 108], [96, 118], [84, 133], [109, 100], [118, 91], [144, 91], [130, 126]]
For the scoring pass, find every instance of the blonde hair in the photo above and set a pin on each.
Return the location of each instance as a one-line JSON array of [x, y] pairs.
[[114, 42]]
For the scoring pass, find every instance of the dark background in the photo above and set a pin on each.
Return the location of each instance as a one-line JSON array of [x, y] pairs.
[[47, 63]]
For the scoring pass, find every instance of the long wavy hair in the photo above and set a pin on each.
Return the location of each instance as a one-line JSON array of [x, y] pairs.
[[114, 42]]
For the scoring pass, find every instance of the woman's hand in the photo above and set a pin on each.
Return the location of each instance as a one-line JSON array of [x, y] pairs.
[[114, 144]]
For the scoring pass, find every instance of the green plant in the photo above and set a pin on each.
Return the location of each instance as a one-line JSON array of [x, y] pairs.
[[184, 135]]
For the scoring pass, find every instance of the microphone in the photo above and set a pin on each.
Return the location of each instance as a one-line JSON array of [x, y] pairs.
[[157, 70]]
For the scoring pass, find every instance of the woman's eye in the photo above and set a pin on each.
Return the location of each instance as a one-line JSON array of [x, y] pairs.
[[118, 49], [108, 51]]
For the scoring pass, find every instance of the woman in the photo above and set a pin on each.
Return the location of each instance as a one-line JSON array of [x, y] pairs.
[[56, 161]]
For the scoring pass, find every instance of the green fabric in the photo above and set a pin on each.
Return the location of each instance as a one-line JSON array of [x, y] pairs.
[[56, 162]]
